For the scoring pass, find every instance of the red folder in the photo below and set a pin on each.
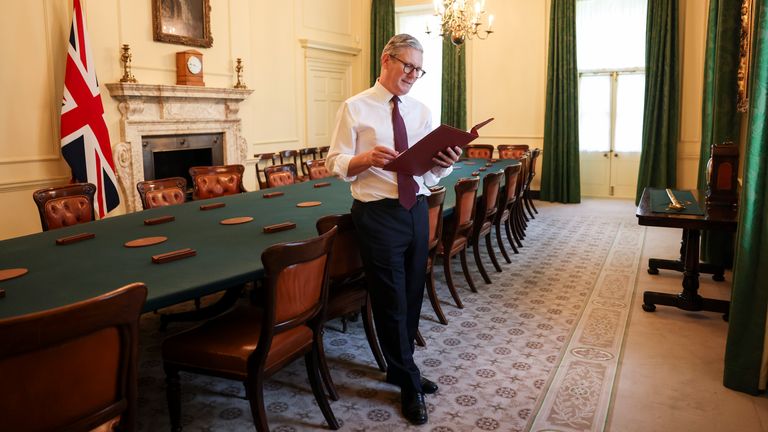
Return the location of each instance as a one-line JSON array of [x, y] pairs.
[[418, 158]]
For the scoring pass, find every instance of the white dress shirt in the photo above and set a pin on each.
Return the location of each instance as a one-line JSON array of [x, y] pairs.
[[365, 121]]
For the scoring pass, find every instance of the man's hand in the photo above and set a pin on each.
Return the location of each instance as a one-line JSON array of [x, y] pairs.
[[447, 157], [380, 156], [376, 157]]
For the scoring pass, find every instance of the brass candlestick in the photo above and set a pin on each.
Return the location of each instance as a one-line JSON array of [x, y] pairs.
[[239, 70], [125, 57]]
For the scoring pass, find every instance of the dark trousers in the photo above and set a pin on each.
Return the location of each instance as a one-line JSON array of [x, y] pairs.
[[393, 244]]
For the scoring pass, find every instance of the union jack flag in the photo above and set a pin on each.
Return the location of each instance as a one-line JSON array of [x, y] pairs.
[[84, 135]]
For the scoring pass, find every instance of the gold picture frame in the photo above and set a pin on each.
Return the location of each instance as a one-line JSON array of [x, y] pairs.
[[745, 55], [183, 22]]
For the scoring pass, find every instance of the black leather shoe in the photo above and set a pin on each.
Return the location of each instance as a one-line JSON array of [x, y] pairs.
[[414, 407], [428, 386]]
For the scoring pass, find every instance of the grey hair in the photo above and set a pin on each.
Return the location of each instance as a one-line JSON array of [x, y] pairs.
[[401, 41]]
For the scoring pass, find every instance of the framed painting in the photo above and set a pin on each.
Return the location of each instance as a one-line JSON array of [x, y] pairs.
[[184, 22], [745, 55]]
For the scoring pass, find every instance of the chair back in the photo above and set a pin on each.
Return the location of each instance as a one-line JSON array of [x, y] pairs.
[[162, 192], [346, 262], [264, 160], [522, 181], [65, 205], [463, 213], [73, 367], [297, 283], [435, 206], [323, 151], [216, 181], [306, 154], [532, 169], [512, 151], [511, 175], [316, 169], [289, 156], [488, 204], [281, 175], [479, 151]]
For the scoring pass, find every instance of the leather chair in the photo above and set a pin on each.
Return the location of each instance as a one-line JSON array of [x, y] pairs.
[[281, 175], [216, 181], [507, 199], [162, 192], [306, 154], [252, 342], [316, 169], [512, 151], [72, 368], [519, 223], [485, 213], [348, 291], [289, 156], [264, 160], [457, 230], [531, 174], [65, 205], [435, 205], [479, 151]]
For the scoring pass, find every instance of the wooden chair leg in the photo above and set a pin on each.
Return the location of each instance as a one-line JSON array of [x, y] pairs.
[[511, 235], [465, 268], [310, 360], [478, 261], [325, 372], [501, 243], [449, 281], [530, 200], [255, 390], [432, 294], [527, 202], [173, 397], [420, 339], [491, 252], [370, 334]]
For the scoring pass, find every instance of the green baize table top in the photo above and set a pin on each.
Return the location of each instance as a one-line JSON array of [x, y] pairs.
[[226, 254]]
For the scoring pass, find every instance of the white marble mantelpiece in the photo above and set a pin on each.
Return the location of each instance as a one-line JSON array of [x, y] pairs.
[[152, 110]]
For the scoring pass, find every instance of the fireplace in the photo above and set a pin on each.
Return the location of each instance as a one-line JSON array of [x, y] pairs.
[[171, 156], [179, 126]]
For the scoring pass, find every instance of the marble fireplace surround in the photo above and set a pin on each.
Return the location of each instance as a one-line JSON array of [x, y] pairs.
[[151, 110]]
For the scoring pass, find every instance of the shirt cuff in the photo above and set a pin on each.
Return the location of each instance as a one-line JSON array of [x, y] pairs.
[[341, 167]]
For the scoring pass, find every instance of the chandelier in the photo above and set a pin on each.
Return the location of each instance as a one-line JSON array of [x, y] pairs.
[[461, 20]]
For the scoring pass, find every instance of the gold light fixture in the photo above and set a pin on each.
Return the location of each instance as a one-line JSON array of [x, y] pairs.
[[462, 20]]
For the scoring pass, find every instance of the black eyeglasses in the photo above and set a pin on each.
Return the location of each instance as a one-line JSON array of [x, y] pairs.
[[408, 68]]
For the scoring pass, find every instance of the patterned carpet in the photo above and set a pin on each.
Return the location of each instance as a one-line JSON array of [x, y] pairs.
[[535, 350]]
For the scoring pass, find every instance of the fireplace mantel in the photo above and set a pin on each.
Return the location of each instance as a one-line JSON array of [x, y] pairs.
[[151, 110]]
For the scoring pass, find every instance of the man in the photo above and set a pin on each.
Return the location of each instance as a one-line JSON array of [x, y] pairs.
[[389, 209]]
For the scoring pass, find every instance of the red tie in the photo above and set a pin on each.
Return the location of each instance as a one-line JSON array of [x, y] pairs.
[[406, 186]]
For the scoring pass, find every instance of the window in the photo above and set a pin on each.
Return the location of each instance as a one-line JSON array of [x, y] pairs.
[[610, 37], [428, 88]]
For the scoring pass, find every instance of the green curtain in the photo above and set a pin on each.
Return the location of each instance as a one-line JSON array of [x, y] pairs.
[[661, 111], [744, 350], [453, 106], [720, 120], [560, 165], [382, 29]]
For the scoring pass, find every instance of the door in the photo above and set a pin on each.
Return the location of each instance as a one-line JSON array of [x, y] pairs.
[[610, 131]]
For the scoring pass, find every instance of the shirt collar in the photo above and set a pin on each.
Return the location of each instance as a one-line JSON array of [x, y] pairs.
[[383, 95]]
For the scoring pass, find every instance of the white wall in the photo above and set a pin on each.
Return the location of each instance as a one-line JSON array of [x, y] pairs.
[[506, 76], [265, 34]]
